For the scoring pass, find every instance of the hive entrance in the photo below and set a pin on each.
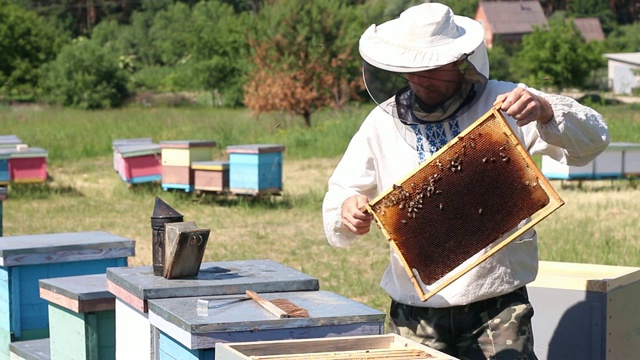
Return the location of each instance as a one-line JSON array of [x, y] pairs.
[[469, 195]]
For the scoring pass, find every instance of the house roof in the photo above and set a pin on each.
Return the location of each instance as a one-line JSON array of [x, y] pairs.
[[632, 58], [513, 17], [589, 28]]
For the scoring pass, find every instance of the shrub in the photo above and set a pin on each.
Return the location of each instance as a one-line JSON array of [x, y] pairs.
[[86, 76]]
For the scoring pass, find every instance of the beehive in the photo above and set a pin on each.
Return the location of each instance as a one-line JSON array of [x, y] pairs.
[[464, 199], [586, 311], [388, 346], [81, 317], [255, 169], [115, 144], [137, 338], [28, 165], [191, 333], [211, 175], [618, 160], [139, 163], [26, 259]]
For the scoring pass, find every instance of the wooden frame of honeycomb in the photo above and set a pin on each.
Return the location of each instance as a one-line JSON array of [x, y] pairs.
[[461, 206]]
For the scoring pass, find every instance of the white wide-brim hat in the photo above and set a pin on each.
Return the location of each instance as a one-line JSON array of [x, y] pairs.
[[423, 37]]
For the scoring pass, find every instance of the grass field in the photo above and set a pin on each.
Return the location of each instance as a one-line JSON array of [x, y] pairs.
[[598, 223]]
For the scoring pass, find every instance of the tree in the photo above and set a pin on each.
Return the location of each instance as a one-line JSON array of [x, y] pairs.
[[593, 8], [26, 43], [219, 51], [84, 75], [624, 39], [556, 56], [303, 57]]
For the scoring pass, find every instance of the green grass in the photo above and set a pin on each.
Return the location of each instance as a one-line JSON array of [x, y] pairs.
[[598, 223], [69, 134]]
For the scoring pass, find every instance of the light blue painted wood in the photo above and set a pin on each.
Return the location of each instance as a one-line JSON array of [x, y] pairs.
[[27, 259], [81, 336], [255, 171], [167, 187], [5, 323], [4, 170], [143, 179], [169, 349], [63, 247]]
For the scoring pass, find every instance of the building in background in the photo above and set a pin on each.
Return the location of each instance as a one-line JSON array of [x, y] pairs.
[[623, 72]]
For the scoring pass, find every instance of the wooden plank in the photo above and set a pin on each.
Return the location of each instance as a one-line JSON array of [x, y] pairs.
[[68, 336], [214, 278], [387, 346], [590, 277], [85, 293], [63, 247], [134, 334], [127, 297], [30, 350], [227, 320], [254, 148], [267, 305]]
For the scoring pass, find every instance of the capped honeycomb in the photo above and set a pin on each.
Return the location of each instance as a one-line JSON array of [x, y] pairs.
[[466, 197]]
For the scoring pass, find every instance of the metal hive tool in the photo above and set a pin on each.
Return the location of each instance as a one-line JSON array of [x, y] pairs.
[[465, 200]]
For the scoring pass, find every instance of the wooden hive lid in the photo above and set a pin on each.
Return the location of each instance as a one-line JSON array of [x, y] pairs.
[[210, 165], [463, 201], [254, 148], [186, 144]]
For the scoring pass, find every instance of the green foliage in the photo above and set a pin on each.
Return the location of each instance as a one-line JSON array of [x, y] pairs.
[[219, 51], [500, 63], [624, 39], [593, 8], [462, 7], [26, 43], [84, 75], [303, 57], [556, 56]]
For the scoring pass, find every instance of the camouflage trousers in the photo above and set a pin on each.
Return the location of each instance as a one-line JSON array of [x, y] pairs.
[[497, 328]]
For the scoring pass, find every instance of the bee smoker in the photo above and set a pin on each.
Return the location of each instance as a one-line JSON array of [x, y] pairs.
[[162, 214]]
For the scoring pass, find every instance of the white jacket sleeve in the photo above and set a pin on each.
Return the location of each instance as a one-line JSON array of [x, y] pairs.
[[355, 174], [575, 135]]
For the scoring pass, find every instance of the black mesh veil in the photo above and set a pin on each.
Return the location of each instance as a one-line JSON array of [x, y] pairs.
[[409, 97]]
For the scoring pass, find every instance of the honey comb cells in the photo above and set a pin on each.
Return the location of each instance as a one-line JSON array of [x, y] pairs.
[[472, 193]]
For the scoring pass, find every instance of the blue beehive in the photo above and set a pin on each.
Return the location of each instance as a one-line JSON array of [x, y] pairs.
[[3, 196], [255, 169], [24, 260], [5, 154]]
